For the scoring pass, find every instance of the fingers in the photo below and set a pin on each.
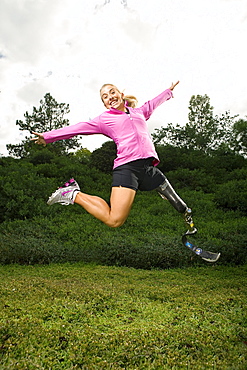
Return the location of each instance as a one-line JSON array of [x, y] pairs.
[[39, 139], [37, 134], [173, 85], [35, 138]]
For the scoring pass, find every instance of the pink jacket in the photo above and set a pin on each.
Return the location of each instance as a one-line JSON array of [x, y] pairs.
[[130, 132]]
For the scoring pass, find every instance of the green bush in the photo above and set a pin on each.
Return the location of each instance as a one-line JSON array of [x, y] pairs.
[[25, 187], [232, 195], [23, 193], [196, 179], [32, 232], [149, 239]]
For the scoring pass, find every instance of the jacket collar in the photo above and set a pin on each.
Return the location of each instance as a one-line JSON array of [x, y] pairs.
[[115, 111]]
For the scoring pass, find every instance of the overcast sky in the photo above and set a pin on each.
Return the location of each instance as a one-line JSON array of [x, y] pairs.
[[69, 48]]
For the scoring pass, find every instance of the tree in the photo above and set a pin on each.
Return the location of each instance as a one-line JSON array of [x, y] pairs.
[[82, 155], [203, 132], [49, 116], [201, 127], [103, 157], [240, 136], [197, 133]]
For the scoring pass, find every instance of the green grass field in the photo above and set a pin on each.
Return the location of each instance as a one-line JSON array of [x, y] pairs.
[[75, 316]]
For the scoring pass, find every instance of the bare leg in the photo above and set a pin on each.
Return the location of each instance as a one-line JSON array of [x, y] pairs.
[[114, 215]]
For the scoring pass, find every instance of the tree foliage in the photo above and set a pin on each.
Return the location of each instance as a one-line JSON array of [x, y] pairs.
[[49, 116], [204, 131], [102, 158], [83, 155], [240, 136]]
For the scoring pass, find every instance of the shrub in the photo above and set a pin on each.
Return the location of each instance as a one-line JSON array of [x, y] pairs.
[[32, 232], [232, 195], [196, 179], [148, 243]]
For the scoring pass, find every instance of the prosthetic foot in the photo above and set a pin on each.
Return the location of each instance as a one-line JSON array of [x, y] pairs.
[[205, 255]]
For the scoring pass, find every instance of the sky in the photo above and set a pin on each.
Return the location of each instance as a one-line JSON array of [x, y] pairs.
[[70, 48]]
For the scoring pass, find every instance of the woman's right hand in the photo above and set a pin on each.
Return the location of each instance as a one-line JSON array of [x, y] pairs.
[[39, 139]]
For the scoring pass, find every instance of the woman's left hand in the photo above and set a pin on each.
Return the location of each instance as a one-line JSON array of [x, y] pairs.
[[173, 85]]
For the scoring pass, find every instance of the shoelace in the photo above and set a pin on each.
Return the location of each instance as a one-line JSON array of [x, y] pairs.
[[68, 183]]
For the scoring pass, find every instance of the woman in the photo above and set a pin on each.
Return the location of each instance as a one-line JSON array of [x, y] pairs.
[[136, 161]]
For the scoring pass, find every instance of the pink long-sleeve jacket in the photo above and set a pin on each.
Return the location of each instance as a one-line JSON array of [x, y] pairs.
[[129, 131]]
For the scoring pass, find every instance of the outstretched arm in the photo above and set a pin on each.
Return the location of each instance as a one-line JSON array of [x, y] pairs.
[[39, 139], [152, 104], [67, 132]]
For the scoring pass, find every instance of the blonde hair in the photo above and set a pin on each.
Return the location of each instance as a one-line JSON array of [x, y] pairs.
[[130, 99]]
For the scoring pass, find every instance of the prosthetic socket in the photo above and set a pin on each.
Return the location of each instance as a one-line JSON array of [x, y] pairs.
[[166, 191]]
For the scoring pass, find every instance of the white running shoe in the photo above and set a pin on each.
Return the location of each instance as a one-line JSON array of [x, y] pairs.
[[66, 194]]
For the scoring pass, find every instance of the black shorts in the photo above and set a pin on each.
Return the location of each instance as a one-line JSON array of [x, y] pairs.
[[139, 174]]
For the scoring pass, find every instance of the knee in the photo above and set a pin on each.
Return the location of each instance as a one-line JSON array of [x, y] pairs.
[[114, 223]]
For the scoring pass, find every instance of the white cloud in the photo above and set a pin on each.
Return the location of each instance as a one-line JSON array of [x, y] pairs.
[[71, 47], [24, 28]]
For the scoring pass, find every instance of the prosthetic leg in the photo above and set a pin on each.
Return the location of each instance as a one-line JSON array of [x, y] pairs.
[[166, 191]]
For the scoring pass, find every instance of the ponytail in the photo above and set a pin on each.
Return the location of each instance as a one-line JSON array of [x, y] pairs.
[[131, 101]]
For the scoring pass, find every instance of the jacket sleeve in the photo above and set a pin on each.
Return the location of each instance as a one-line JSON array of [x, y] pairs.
[[151, 105], [67, 132]]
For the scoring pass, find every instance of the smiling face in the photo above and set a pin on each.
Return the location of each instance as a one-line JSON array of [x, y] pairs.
[[112, 98]]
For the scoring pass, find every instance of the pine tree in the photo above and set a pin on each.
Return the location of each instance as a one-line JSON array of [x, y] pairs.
[[49, 116]]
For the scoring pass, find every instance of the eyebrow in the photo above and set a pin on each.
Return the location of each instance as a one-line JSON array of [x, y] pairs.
[[105, 94]]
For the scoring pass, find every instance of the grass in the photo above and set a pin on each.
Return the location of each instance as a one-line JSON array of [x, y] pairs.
[[76, 316]]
